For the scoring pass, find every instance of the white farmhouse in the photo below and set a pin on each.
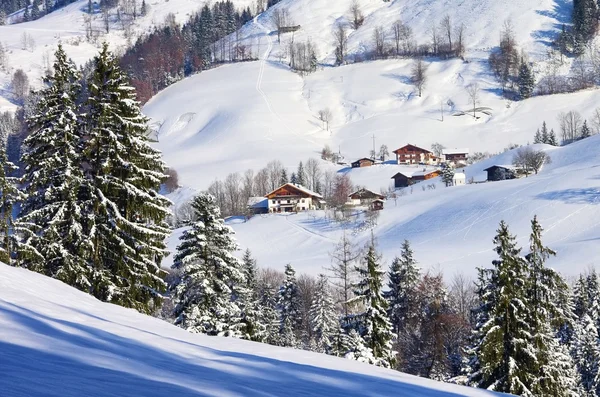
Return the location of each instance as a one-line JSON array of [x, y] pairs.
[[293, 198]]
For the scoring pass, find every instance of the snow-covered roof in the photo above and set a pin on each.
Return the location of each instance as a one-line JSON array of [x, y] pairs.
[[459, 175], [300, 188], [455, 151], [421, 172], [258, 202], [508, 167]]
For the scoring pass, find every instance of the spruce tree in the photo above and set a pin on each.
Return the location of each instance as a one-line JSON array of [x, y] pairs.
[[526, 80], [586, 355], [284, 178], [503, 358], [373, 323], [545, 137], [208, 273], [293, 178], [248, 301], [123, 172], [552, 138], [9, 196], [268, 315], [546, 290], [323, 317], [401, 297], [585, 130], [54, 211], [538, 137], [289, 308], [301, 175], [447, 175]]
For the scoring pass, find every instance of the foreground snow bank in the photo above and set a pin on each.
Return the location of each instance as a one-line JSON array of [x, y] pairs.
[[57, 341]]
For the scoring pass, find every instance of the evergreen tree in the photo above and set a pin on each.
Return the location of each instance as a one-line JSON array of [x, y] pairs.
[[301, 175], [208, 271], [323, 317], [268, 315], [585, 130], [294, 178], [503, 358], [546, 289], [552, 138], [526, 80], [586, 354], [545, 138], [289, 308], [284, 178], [447, 174], [9, 195], [373, 323], [403, 280], [27, 12], [124, 173], [358, 349], [35, 10], [248, 301], [144, 9], [54, 212], [538, 137]]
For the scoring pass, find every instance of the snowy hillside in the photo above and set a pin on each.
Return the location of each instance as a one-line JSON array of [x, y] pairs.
[[57, 341], [451, 229]]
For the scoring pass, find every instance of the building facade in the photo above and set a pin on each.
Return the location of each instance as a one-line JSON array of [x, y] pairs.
[[293, 198], [411, 154]]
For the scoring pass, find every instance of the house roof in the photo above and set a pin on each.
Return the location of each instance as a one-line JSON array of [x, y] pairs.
[[299, 188], [455, 151], [258, 202], [378, 201], [411, 174], [365, 158], [413, 146], [506, 167], [364, 192]]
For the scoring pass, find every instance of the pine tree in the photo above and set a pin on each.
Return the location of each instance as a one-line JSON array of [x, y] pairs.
[[545, 138], [301, 175], [546, 289], [447, 174], [248, 301], [503, 358], [526, 80], [401, 297], [268, 315], [358, 349], [585, 130], [552, 138], [35, 10], [323, 318], [593, 298], [538, 137], [55, 213], [289, 308], [128, 229], [208, 271], [27, 12], [586, 355], [144, 9], [293, 178], [9, 195], [284, 178], [373, 323]]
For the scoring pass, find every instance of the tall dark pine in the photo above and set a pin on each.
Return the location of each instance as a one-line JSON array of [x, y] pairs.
[[503, 358], [289, 309], [208, 274], [9, 194], [53, 179], [124, 173], [373, 323]]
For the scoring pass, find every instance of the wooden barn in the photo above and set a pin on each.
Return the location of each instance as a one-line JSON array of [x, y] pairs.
[[364, 162], [376, 205], [405, 179], [411, 154], [364, 197], [501, 172], [293, 198]]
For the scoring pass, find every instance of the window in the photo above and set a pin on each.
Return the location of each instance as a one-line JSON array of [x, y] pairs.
[[288, 201], [278, 201], [274, 201], [302, 200]]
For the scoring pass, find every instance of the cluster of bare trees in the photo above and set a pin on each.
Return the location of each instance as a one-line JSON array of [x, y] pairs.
[[303, 56], [530, 160], [505, 61], [20, 85], [584, 73]]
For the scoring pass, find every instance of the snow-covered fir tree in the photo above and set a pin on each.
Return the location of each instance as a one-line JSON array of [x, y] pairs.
[[289, 307], [208, 273], [54, 210], [552, 140], [537, 138], [503, 357], [585, 130], [586, 354], [301, 175], [323, 317], [403, 276], [268, 315], [123, 172], [525, 80], [545, 135], [248, 301], [447, 174], [9, 195], [358, 350], [373, 324], [547, 292]]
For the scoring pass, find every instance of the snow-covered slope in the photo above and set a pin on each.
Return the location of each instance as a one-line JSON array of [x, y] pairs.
[[57, 341], [451, 229]]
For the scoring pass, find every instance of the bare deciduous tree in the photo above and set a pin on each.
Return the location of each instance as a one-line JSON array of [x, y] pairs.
[[446, 27], [340, 36], [570, 126], [280, 19], [379, 41], [313, 174], [530, 160], [356, 16], [437, 149], [402, 38], [418, 75], [343, 259], [274, 169], [261, 182], [20, 85], [172, 182], [325, 117], [460, 40], [473, 93]]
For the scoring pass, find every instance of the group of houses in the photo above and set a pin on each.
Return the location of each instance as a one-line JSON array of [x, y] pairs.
[[412, 154]]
